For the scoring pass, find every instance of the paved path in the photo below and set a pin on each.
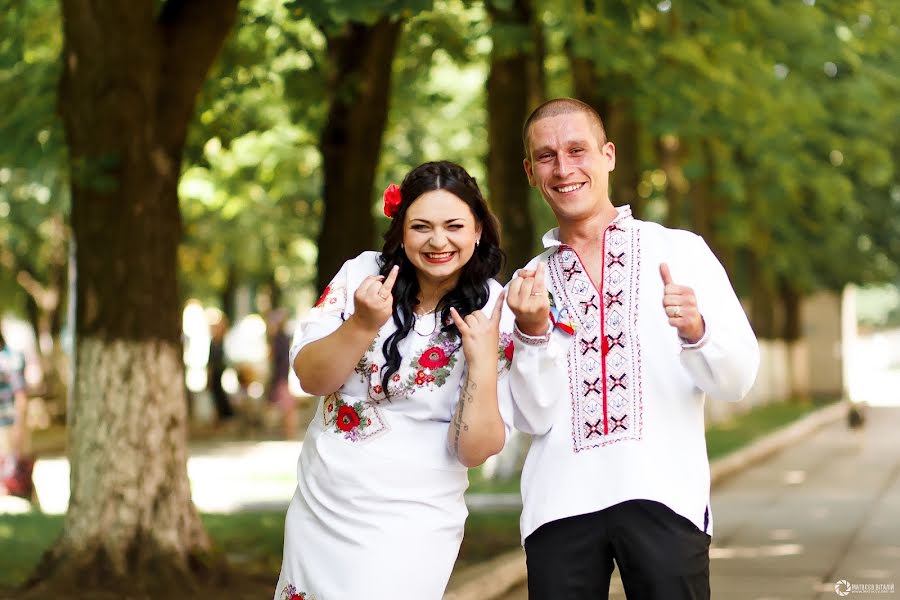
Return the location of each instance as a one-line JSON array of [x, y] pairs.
[[823, 511]]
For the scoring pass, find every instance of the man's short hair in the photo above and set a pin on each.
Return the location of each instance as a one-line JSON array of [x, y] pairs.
[[562, 106]]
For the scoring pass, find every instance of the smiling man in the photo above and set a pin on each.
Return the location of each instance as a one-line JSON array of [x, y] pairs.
[[643, 324]]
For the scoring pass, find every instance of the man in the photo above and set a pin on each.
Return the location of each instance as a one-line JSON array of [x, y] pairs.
[[643, 323]]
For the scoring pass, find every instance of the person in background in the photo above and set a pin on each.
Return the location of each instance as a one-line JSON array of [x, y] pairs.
[[280, 368], [14, 434], [215, 368]]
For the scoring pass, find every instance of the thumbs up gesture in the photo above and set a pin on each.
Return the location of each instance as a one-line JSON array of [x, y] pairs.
[[680, 305]]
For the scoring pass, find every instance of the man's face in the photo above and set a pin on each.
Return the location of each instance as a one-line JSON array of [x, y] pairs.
[[569, 166]]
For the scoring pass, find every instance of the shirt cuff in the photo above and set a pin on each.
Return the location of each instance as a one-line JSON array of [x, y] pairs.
[[686, 345], [532, 340]]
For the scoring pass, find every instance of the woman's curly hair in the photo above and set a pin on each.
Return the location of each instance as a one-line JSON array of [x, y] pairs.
[[471, 291]]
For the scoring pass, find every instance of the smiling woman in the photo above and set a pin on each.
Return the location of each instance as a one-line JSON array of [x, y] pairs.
[[407, 408]]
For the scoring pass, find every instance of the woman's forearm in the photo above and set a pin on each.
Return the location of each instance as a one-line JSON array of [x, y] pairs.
[[324, 365], [477, 430]]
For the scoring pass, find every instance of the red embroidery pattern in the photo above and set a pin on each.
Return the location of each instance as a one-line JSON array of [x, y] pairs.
[[505, 354], [357, 422], [604, 363], [290, 593]]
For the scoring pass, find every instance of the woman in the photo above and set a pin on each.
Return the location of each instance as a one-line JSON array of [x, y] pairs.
[[404, 345]]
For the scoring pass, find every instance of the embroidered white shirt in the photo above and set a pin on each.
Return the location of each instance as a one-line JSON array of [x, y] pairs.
[[615, 399]]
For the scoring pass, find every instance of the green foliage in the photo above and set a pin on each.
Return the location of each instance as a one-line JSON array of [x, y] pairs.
[[787, 108], [34, 197]]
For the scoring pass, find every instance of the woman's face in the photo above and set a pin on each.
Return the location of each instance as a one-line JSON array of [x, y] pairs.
[[439, 235]]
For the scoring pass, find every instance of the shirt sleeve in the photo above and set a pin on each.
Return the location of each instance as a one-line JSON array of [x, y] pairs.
[[334, 306], [504, 361], [537, 378], [724, 363]]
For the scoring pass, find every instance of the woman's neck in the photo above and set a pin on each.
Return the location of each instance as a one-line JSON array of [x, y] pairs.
[[431, 292]]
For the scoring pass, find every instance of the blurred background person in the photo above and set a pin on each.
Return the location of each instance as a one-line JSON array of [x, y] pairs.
[[279, 372], [15, 465], [215, 368]]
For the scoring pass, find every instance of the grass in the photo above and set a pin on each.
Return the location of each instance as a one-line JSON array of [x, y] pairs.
[[252, 541], [723, 438]]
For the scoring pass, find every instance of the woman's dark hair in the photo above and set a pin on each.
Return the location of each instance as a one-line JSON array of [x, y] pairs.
[[471, 291]]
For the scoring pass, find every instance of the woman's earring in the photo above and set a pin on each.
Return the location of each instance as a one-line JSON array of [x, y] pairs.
[[401, 245], [478, 241]]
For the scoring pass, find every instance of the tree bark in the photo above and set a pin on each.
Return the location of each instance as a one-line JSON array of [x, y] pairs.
[[707, 210], [621, 124], [127, 95], [669, 153], [510, 92], [361, 57]]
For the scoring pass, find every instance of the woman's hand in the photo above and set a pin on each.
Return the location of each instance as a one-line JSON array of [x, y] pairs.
[[374, 301], [480, 334]]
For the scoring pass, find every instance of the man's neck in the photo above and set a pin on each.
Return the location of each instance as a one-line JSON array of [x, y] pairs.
[[586, 233]]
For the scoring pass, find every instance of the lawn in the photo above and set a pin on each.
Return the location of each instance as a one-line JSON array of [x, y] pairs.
[[252, 541]]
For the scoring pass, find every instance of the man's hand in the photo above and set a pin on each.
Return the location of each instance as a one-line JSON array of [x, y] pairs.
[[529, 301], [680, 305]]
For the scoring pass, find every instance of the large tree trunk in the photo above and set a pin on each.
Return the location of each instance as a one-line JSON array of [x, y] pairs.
[[670, 152], [361, 57], [508, 99], [131, 76], [707, 210], [620, 121]]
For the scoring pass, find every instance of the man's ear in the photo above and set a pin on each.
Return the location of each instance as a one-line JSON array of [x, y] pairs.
[[528, 171]]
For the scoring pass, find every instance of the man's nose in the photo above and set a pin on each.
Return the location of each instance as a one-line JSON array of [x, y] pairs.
[[563, 166]]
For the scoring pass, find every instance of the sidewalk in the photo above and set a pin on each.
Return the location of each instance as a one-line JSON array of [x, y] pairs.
[[503, 577]]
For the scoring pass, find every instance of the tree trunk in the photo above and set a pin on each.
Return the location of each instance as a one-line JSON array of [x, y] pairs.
[[621, 124], [508, 97], [763, 314], [127, 93], [707, 210], [361, 58], [623, 130], [669, 153]]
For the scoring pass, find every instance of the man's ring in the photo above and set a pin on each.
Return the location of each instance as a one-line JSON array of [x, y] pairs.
[[535, 293], [676, 311]]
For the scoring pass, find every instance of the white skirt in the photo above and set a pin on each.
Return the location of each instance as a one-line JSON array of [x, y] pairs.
[[362, 525]]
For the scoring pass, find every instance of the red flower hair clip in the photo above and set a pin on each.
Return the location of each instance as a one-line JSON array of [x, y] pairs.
[[391, 200]]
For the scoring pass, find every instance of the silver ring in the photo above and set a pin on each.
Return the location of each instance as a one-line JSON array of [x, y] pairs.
[[676, 311], [535, 293]]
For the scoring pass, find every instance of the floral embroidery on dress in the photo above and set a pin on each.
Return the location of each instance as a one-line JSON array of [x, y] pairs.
[[333, 299], [435, 363], [364, 368], [505, 353], [357, 421], [290, 593]]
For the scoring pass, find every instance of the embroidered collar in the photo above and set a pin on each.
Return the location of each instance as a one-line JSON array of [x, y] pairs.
[[551, 238]]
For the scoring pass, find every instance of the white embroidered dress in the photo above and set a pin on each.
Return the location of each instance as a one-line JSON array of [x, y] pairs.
[[378, 512]]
